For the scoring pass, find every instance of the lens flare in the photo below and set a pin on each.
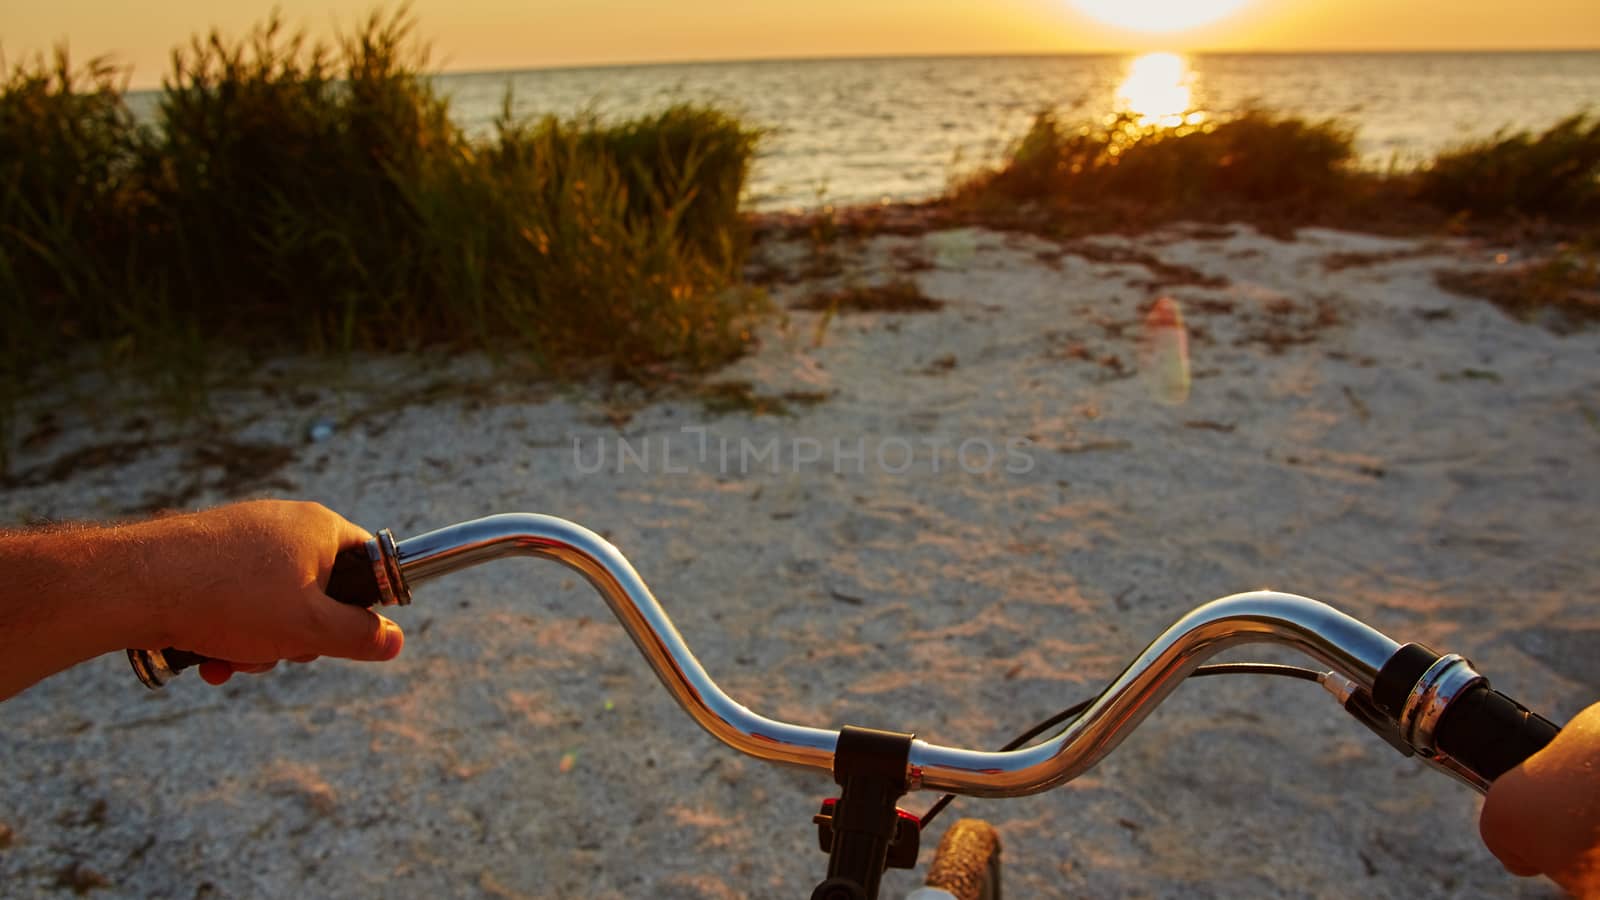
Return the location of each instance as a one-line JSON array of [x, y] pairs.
[[1164, 353]]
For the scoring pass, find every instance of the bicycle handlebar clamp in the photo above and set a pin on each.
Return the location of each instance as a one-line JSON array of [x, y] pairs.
[[874, 769]]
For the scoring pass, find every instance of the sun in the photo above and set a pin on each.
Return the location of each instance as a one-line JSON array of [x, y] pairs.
[[1158, 15]]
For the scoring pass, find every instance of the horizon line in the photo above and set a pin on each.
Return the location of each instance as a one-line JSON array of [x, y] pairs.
[[882, 57], [887, 57]]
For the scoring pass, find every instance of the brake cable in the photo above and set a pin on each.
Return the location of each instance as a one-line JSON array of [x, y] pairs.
[[1299, 672]]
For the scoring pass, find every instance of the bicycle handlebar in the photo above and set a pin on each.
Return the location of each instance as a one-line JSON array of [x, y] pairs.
[[1336, 639], [1354, 650]]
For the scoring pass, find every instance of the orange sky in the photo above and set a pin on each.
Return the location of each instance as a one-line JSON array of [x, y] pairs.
[[492, 34]]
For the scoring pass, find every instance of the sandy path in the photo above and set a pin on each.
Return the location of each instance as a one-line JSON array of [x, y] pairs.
[[1355, 434]]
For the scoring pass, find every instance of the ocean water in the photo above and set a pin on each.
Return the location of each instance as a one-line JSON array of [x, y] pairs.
[[866, 130]]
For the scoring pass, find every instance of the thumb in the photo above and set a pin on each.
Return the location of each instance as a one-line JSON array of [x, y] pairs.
[[351, 632], [1503, 823]]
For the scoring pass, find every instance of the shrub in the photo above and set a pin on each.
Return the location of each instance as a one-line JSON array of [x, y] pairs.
[[297, 195], [631, 232], [69, 193], [278, 175], [1555, 174], [1253, 165], [1279, 172]]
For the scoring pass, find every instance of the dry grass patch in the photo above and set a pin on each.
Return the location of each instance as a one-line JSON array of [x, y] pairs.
[[725, 397], [1561, 290], [901, 295]]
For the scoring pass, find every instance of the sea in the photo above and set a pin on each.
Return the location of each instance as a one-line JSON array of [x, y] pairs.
[[859, 131], [853, 131]]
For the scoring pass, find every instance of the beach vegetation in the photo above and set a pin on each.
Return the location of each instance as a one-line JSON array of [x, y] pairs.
[[1279, 172], [900, 295], [1123, 173], [1553, 175], [721, 398], [291, 195], [1559, 289]]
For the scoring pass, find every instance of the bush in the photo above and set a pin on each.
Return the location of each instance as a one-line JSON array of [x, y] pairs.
[[697, 155], [69, 158], [1279, 172], [1253, 165], [293, 195], [632, 232], [1555, 174], [283, 168], [587, 265]]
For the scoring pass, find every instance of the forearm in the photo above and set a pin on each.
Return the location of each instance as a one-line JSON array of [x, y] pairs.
[[73, 593], [242, 584]]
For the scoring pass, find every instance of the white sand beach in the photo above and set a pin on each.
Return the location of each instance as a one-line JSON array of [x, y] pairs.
[[1353, 433]]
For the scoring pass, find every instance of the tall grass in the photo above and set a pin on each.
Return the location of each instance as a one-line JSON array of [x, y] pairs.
[[281, 204], [633, 233], [70, 157], [1124, 173], [1555, 174], [292, 194], [298, 195], [1280, 172]]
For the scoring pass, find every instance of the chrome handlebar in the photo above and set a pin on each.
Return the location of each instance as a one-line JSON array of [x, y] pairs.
[[1351, 648]]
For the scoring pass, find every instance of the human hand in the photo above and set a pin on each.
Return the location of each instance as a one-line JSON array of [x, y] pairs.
[[1543, 817], [243, 584]]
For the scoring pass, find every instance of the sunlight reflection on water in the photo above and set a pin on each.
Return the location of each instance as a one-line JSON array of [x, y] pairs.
[[1159, 89]]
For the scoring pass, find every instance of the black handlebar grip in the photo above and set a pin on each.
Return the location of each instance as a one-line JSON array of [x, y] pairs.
[[351, 582], [1490, 733]]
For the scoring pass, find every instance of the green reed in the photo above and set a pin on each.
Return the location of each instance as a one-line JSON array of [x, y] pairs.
[[295, 195], [1280, 172], [1125, 172], [1553, 174]]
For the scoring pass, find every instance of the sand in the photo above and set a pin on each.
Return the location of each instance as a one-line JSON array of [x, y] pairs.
[[1352, 433]]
